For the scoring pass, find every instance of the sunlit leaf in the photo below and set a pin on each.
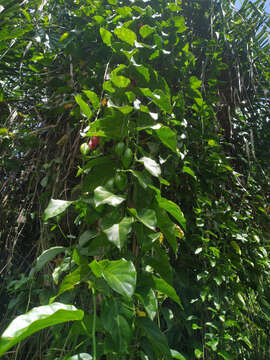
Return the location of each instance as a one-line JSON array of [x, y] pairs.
[[102, 196], [120, 275], [85, 109], [117, 234], [35, 320], [106, 36], [151, 166], [55, 207], [126, 35]]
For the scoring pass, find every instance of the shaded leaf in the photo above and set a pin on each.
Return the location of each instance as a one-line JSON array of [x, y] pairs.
[[162, 286], [155, 336], [45, 257], [146, 217]]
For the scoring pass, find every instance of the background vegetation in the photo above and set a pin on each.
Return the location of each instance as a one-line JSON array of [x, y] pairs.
[[156, 241]]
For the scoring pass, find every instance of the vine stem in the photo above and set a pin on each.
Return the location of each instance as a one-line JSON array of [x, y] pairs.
[[94, 325]]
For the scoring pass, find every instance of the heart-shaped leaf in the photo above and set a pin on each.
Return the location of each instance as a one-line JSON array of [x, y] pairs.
[[35, 320]]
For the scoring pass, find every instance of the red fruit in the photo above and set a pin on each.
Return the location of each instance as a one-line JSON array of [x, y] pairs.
[[93, 143]]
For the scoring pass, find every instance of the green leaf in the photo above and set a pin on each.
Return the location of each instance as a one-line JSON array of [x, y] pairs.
[[163, 287], [179, 22], [167, 227], [143, 178], [114, 127], [151, 166], [195, 83], [81, 356], [116, 324], [117, 234], [72, 279], [85, 109], [225, 355], [168, 137], [102, 196], [176, 355], [35, 320], [126, 35], [120, 276], [148, 299], [3, 132], [189, 171], [92, 96], [144, 72], [172, 209], [55, 207], [146, 30], [105, 36], [146, 217], [45, 257], [236, 247], [120, 81], [163, 101], [155, 336]]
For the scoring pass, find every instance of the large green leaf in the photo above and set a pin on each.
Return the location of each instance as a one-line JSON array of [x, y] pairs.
[[55, 207], [117, 234], [102, 196], [155, 336], [120, 276], [168, 137], [126, 35], [146, 217], [112, 126], [35, 320]]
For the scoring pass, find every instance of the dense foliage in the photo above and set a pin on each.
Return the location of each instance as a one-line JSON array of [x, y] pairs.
[[134, 179]]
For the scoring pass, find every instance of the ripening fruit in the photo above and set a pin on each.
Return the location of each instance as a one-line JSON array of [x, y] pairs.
[[127, 158], [84, 148], [121, 181], [119, 148], [93, 143]]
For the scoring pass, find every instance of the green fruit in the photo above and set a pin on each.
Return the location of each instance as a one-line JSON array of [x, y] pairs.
[[121, 181], [127, 158], [109, 185], [84, 148], [119, 149]]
